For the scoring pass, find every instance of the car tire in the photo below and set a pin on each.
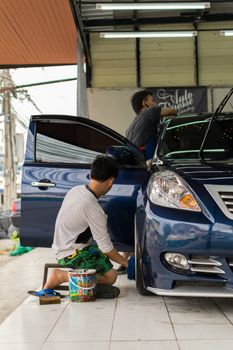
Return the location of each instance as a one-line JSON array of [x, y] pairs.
[[139, 279], [5, 222]]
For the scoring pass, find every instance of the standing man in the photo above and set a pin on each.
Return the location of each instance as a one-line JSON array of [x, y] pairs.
[[80, 219], [143, 129]]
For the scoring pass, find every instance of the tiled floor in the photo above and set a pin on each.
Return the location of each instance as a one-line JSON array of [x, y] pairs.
[[131, 322]]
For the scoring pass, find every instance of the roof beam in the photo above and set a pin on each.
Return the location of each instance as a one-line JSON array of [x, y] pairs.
[[157, 20], [79, 25]]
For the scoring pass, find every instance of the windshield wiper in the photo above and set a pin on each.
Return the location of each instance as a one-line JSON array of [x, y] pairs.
[[212, 119]]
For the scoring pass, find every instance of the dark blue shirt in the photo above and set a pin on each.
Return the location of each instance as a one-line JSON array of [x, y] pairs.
[[144, 127]]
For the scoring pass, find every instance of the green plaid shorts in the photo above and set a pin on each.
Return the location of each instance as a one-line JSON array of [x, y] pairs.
[[89, 257]]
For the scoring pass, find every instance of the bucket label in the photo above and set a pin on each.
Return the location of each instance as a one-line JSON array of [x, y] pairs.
[[82, 284]]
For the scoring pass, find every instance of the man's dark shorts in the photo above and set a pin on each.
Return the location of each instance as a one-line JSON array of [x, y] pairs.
[[89, 257]]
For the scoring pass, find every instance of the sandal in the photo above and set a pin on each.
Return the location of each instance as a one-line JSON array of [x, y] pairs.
[[45, 292]]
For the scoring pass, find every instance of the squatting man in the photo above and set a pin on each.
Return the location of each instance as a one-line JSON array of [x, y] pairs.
[[81, 219]]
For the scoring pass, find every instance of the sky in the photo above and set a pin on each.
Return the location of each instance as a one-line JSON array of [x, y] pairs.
[[59, 98]]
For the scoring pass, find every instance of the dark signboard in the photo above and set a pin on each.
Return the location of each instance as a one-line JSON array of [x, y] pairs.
[[184, 100]]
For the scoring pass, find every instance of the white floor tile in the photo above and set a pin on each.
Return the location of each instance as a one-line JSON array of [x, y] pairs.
[[190, 332], [85, 322], [206, 344], [23, 321], [131, 330], [194, 311], [210, 317], [77, 346], [144, 345], [226, 306], [42, 317], [140, 318], [144, 321], [23, 334], [142, 308], [31, 346], [91, 313], [81, 332]]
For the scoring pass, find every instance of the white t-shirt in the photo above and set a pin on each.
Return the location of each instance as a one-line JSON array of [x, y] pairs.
[[80, 209]]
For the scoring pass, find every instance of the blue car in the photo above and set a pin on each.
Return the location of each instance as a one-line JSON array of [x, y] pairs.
[[177, 217]]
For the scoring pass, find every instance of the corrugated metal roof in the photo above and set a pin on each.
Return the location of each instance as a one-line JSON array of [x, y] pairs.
[[38, 32]]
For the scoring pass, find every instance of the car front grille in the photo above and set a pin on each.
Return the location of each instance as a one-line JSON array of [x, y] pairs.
[[206, 265], [227, 198], [223, 196], [230, 262]]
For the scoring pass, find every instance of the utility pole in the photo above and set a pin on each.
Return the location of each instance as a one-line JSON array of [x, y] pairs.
[[9, 140]]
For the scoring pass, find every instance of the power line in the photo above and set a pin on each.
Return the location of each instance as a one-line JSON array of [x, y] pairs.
[[28, 97], [20, 121], [12, 88]]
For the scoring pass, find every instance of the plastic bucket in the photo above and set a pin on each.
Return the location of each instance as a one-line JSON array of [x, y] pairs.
[[82, 284]]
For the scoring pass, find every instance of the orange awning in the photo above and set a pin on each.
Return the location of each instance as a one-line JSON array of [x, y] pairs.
[[37, 33]]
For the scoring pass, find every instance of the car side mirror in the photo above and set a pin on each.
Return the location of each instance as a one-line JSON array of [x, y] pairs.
[[124, 155]]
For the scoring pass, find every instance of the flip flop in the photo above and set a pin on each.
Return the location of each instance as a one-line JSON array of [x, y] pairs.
[[45, 292]]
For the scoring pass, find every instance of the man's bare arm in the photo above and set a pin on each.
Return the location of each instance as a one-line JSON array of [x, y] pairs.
[[167, 112], [115, 256]]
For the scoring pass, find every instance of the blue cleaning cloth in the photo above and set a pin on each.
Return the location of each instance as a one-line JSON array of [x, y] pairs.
[[131, 268]]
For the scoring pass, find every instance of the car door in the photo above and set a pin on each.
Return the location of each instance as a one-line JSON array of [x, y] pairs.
[[59, 152]]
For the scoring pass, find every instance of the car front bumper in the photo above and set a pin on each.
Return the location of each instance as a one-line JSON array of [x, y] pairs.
[[207, 246], [194, 291]]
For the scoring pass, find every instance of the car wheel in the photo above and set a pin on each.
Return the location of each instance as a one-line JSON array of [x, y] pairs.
[[139, 279]]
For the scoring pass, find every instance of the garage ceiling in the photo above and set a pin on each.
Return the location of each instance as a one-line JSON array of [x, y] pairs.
[[160, 62], [96, 20], [37, 33]]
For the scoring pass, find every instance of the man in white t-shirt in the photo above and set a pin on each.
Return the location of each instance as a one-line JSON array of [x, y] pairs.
[[81, 219]]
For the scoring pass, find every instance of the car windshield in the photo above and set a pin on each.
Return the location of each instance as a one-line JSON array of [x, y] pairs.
[[183, 138]]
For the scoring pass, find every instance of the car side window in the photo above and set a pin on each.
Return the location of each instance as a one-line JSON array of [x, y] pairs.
[[70, 142]]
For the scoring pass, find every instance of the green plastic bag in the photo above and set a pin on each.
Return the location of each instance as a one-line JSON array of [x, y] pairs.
[[19, 250]]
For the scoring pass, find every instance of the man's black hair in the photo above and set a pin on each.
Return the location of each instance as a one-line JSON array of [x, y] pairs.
[[103, 168], [137, 99]]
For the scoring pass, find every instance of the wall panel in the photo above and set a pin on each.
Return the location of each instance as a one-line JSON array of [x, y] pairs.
[[113, 62], [167, 61], [215, 55], [164, 62]]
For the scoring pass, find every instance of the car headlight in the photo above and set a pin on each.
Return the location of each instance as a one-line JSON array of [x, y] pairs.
[[167, 189]]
